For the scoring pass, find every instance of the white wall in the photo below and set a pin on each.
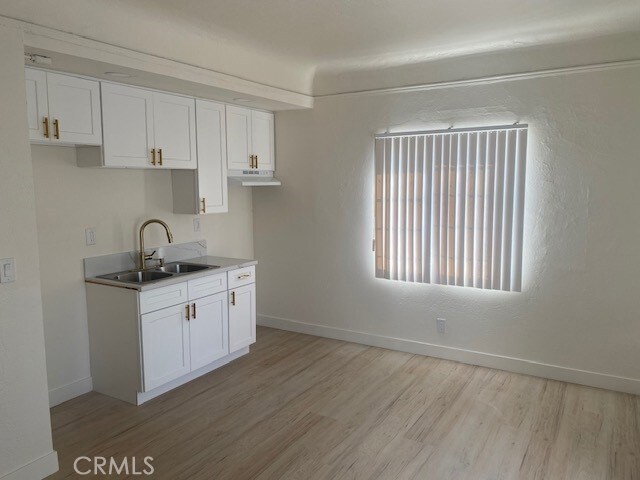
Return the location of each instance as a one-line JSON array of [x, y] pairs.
[[579, 306], [25, 430], [115, 202]]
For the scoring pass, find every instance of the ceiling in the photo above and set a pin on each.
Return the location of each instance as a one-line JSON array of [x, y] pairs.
[[352, 33], [296, 45]]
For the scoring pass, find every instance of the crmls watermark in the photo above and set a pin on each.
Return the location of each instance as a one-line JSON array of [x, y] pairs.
[[111, 466]]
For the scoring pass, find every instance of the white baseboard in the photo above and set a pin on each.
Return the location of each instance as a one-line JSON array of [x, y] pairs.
[[69, 391], [36, 470], [500, 362]]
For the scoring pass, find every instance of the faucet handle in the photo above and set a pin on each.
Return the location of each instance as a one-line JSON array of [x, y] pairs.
[[149, 256]]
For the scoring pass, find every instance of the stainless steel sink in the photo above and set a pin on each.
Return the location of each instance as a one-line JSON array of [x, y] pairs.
[[139, 277], [159, 273], [185, 267]]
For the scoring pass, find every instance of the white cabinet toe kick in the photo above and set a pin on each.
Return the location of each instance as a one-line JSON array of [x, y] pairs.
[[146, 343]]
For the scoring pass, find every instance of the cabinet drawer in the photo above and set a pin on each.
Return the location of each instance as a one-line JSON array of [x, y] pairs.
[[209, 285], [163, 297], [242, 276]]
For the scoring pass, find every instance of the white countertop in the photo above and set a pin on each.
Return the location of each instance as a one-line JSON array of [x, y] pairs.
[[224, 263]]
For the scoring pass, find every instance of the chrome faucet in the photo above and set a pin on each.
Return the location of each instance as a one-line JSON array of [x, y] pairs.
[[143, 256]]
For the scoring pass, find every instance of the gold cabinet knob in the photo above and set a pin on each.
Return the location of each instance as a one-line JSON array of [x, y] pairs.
[[153, 156]]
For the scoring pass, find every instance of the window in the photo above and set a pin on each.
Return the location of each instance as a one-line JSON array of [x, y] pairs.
[[449, 207]]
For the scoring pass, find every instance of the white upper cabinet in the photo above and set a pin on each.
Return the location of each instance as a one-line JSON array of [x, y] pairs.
[[238, 138], [174, 126], [212, 149], [262, 140], [63, 109], [140, 128], [74, 107], [250, 139], [146, 129], [37, 108], [205, 189], [127, 116]]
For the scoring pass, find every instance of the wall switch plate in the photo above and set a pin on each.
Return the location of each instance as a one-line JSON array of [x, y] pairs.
[[7, 270], [90, 236], [441, 325], [196, 224]]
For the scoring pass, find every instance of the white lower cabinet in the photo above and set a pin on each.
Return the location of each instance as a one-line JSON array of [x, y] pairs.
[[165, 346], [146, 343], [242, 317], [209, 330]]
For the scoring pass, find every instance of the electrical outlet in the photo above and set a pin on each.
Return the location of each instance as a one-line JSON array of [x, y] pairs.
[[7, 270], [441, 325], [90, 236], [196, 224]]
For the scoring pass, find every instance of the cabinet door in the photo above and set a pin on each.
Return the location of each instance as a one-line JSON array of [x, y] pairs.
[[37, 107], [127, 121], [242, 317], [208, 330], [238, 138], [174, 127], [262, 139], [165, 346], [212, 155], [74, 110]]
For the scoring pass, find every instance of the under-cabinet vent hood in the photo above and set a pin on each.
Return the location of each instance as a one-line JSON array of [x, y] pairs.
[[253, 178]]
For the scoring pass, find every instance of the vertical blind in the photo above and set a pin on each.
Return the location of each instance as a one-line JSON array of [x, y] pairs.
[[449, 207]]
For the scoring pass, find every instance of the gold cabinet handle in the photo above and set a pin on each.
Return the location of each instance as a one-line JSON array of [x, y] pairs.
[[45, 122], [160, 154], [246, 275], [204, 205], [153, 156], [250, 161], [56, 129], [233, 298], [187, 308], [194, 310]]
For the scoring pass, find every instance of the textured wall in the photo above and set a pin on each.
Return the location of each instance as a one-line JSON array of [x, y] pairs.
[[115, 202], [25, 431], [579, 306]]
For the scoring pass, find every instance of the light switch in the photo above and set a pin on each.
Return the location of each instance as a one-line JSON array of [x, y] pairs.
[[7, 270]]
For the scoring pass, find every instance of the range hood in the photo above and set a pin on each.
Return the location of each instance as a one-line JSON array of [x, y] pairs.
[[253, 178]]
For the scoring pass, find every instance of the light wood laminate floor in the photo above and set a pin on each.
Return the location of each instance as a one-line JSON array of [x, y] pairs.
[[302, 407]]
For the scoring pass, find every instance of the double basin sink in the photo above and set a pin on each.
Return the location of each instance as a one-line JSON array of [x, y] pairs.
[[157, 273]]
